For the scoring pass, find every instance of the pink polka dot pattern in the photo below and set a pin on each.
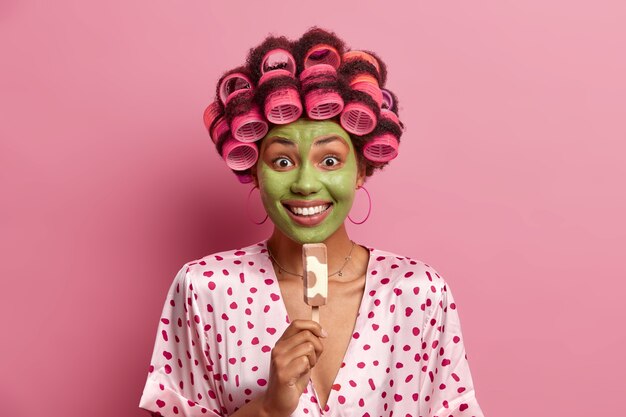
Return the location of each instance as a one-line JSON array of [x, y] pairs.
[[224, 313]]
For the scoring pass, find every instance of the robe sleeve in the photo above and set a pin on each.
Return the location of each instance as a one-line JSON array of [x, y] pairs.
[[446, 386], [180, 381]]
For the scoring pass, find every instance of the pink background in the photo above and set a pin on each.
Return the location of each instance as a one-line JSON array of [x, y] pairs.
[[510, 182]]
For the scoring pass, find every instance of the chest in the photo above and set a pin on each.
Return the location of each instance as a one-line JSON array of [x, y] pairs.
[[337, 317]]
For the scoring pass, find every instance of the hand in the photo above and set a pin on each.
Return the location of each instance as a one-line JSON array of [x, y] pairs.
[[295, 353]]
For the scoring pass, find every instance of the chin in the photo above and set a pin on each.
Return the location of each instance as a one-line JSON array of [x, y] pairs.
[[310, 236], [309, 240]]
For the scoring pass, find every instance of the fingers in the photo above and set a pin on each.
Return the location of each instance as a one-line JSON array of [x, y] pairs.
[[306, 350], [298, 352], [301, 366], [297, 326], [294, 354], [290, 365], [284, 347]]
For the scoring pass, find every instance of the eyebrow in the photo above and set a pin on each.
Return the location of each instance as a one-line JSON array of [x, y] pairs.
[[288, 142]]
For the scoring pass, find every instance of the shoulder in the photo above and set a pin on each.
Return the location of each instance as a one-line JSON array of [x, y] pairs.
[[392, 268], [225, 263]]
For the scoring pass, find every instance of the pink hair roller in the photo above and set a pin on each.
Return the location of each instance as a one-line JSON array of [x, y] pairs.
[[368, 84], [283, 105], [322, 54], [319, 70], [362, 55], [387, 99], [232, 85], [239, 155], [358, 119], [319, 104], [278, 59], [382, 148], [388, 114], [221, 126], [250, 126], [212, 112]]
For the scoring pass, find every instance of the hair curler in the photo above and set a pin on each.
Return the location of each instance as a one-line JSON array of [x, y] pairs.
[[321, 103], [322, 54], [250, 126], [237, 90], [387, 99], [388, 114], [383, 147], [211, 114], [358, 118], [368, 84], [232, 85], [239, 155], [283, 105], [347, 56], [278, 59], [219, 128]]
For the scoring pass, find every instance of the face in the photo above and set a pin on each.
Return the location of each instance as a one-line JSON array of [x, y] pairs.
[[308, 174]]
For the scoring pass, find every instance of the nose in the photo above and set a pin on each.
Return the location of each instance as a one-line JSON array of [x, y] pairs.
[[307, 181]]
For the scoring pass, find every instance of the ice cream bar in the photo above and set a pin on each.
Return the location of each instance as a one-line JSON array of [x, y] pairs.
[[315, 274]]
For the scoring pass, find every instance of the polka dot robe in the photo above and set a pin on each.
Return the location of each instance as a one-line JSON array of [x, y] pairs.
[[224, 313]]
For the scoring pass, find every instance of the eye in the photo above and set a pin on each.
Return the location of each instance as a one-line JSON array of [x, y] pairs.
[[330, 161], [282, 162]]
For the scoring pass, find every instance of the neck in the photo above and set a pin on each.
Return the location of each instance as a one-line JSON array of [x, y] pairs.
[[288, 253]]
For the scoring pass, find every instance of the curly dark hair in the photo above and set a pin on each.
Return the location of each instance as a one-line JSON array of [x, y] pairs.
[[347, 69]]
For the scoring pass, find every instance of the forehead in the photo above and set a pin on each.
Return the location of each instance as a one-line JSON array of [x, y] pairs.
[[305, 132]]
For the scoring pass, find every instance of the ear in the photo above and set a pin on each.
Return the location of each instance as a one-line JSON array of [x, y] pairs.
[[255, 178], [360, 176]]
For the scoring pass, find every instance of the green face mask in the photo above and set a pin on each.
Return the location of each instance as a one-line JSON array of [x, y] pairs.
[[308, 163]]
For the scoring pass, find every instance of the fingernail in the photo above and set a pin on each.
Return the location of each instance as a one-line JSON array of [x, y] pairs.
[[324, 334]]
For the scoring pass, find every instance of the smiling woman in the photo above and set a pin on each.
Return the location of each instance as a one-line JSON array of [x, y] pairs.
[[236, 336], [308, 174]]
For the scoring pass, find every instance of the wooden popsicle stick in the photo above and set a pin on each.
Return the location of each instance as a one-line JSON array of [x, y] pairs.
[[315, 314]]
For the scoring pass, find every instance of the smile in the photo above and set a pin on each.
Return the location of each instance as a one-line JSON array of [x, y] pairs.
[[309, 213]]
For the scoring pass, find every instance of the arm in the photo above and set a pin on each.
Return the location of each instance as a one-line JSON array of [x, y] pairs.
[[180, 380], [446, 382]]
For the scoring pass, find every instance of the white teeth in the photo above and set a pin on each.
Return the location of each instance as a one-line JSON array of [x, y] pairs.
[[308, 211]]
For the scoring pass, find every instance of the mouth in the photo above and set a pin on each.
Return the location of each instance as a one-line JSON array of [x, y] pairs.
[[308, 213]]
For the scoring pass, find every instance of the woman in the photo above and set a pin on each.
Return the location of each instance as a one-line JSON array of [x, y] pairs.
[[236, 337]]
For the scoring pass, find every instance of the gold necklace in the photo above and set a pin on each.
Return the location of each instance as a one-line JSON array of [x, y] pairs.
[[340, 273]]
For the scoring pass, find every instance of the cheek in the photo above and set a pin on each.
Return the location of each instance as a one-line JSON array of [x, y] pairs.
[[273, 186], [342, 186], [268, 183]]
